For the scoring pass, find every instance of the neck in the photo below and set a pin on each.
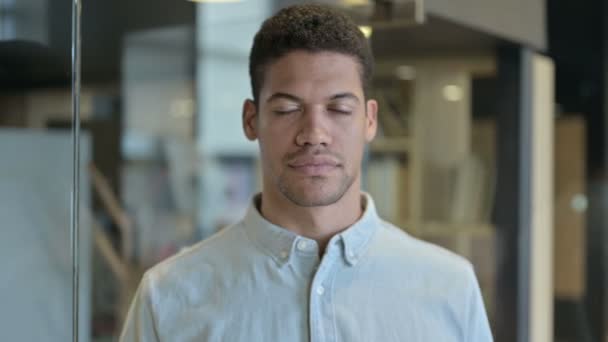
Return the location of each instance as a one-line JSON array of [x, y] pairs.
[[318, 223]]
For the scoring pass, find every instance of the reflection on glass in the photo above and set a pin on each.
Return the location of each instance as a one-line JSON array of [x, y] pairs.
[[36, 178], [432, 168], [165, 162]]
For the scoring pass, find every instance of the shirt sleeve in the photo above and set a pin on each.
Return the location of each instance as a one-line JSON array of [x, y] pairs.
[[478, 327], [140, 324]]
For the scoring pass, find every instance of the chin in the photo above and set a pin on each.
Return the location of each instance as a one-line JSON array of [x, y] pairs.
[[315, 191], [313, 195], [308, 200]]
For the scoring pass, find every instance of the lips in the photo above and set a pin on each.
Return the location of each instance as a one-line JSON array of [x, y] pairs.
[[314, 165]]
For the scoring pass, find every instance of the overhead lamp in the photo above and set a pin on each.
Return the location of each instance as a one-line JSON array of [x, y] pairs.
[[367, 30], [579, 203], [453, 93], [355, 2], [215, 1]]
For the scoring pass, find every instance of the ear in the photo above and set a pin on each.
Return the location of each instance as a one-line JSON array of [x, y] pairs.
[[250, 122], [371, 120]]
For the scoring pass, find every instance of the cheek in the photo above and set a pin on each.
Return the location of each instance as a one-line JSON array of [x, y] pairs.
[[353, 133], [273, 143], [353, 143], [280, 130]]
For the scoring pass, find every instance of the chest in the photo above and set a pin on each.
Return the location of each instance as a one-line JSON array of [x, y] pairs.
[[331, 304]]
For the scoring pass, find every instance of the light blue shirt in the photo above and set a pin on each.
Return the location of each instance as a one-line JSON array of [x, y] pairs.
[[257, 282]]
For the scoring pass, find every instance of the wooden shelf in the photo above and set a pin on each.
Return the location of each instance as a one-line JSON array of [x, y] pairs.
[[400, 145]]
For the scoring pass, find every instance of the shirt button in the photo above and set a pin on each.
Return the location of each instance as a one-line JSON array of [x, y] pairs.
[[284, 254], [320, 290], [303, 245]]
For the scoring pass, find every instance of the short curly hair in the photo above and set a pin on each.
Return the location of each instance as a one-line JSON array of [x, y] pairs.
[[309, 27]]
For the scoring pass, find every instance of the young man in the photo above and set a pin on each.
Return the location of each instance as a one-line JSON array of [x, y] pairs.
[[311, 260]]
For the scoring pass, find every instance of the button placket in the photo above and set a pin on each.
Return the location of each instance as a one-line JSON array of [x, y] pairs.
[[320, 290], [303, 245], [321, 329], [328, 306]]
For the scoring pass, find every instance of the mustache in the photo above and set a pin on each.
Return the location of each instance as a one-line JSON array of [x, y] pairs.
[[312, 152]]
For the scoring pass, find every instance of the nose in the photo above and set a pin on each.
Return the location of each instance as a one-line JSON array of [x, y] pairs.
[[313, 128]]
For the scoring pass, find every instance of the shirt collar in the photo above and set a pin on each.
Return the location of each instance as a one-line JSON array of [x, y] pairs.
[[281, 243], [356, 238]]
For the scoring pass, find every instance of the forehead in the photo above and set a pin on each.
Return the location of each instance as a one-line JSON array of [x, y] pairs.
[[311, 73]]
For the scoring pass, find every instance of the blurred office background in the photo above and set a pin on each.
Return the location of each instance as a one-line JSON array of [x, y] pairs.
[[492, 143]]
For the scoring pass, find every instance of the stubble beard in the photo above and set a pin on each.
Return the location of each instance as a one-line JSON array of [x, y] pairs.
[[316, 191]]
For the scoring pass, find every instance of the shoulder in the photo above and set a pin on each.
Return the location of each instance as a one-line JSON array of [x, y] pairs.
[[187, 278], [442, 279], [439, 278], [426, 261], [196, 267]]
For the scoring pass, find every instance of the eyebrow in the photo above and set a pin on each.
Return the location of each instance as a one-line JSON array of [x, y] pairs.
[[294, 98], [277, 96], [345, 96]]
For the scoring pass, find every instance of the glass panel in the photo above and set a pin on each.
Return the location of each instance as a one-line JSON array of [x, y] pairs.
[[36, 175], [581, 182], [228, 160], [433, 169], [162, 98], [139, 108]]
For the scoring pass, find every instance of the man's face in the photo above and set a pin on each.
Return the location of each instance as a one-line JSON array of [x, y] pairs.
[[312, 123]]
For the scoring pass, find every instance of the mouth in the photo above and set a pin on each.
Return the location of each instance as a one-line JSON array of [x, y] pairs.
[[314, 166], [314, 170]]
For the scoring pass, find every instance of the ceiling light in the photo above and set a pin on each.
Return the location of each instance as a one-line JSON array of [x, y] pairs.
[[579, 203], [453, 93], [355, 2], [367, 31]]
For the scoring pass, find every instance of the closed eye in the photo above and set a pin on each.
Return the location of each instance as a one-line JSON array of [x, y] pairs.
[[340, 110], [285, 111]]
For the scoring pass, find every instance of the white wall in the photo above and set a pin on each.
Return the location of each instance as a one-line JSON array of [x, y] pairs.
[[158, 88], [224, 37], [35, 258]]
